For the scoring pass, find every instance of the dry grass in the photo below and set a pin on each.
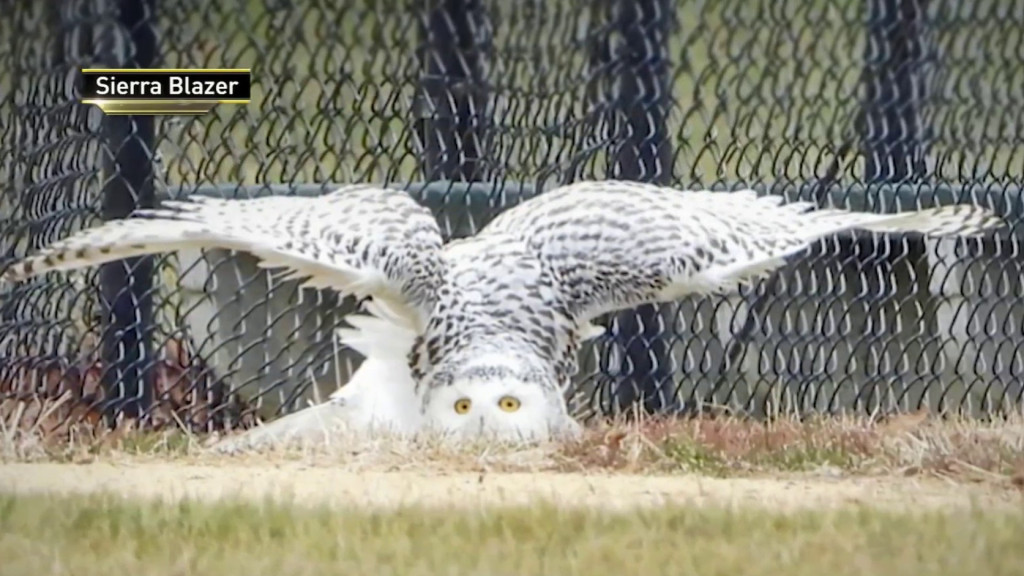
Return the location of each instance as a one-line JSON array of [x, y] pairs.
[[104, 534], [905, 445], [828, 496]]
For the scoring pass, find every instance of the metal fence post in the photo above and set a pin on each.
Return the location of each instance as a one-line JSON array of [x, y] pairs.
[[126, 286], [891, 131], [894, 149], [452, 106], [638, 97]]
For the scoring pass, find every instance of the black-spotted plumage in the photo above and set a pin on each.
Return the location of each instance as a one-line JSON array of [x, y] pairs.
[[512, 303], [615, 245], [498, 297], [359, 239]]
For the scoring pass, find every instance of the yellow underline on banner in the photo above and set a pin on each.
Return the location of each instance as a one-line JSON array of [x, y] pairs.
[[174, 70], [148, 101]]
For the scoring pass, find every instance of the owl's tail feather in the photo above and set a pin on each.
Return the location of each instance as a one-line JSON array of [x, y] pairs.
[[378, 400], [381, 333]]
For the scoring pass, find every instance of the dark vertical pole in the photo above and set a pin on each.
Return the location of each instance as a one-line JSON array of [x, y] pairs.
[[894, 149], [639, 96], [126, 286], [894, 89], [455, 41]]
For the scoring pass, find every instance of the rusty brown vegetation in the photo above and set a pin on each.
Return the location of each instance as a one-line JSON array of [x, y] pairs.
[[905, 444], [958, 450], [58, 402]]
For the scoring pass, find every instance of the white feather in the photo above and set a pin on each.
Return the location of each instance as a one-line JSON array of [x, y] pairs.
[[359, 240], [618, 245], [379, 399], [564, 257]]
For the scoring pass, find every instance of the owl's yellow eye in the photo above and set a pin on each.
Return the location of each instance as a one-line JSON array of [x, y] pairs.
[[509, 403], [462, 405]]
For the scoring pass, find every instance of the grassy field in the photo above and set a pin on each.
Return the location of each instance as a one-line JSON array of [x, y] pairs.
[[105, 534], [912, 494]]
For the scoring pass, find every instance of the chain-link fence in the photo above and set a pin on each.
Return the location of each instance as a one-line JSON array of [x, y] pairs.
[[471, 104]]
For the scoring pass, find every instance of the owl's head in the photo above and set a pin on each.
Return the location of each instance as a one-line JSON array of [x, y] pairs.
[[499, 396]]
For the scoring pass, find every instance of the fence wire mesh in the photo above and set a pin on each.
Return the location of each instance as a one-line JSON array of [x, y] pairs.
[[872, 104]]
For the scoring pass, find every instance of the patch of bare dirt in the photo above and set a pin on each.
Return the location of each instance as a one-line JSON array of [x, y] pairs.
[[327, 485]]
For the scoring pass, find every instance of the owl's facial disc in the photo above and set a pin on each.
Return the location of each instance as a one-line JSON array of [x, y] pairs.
[[507, 403], [506, 409]]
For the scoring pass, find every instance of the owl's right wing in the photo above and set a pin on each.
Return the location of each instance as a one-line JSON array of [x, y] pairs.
[[614, 245], [359, 239]]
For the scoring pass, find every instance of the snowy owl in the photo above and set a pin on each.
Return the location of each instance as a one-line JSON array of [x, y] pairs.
[[479, 336]]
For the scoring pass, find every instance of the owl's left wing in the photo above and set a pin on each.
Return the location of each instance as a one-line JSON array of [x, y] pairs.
[[359, 239], [615, 245]]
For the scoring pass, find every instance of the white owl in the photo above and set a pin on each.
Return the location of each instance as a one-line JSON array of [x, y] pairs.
[[479, 336]]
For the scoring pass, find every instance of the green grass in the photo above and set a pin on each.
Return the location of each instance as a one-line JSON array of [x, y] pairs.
[[109, 535], [689, 455]]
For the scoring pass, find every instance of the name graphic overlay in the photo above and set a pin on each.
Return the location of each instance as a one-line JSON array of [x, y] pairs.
[[164, 92]]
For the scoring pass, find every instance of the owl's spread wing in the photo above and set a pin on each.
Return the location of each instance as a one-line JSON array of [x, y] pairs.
[[616, 245], [361, 240]]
